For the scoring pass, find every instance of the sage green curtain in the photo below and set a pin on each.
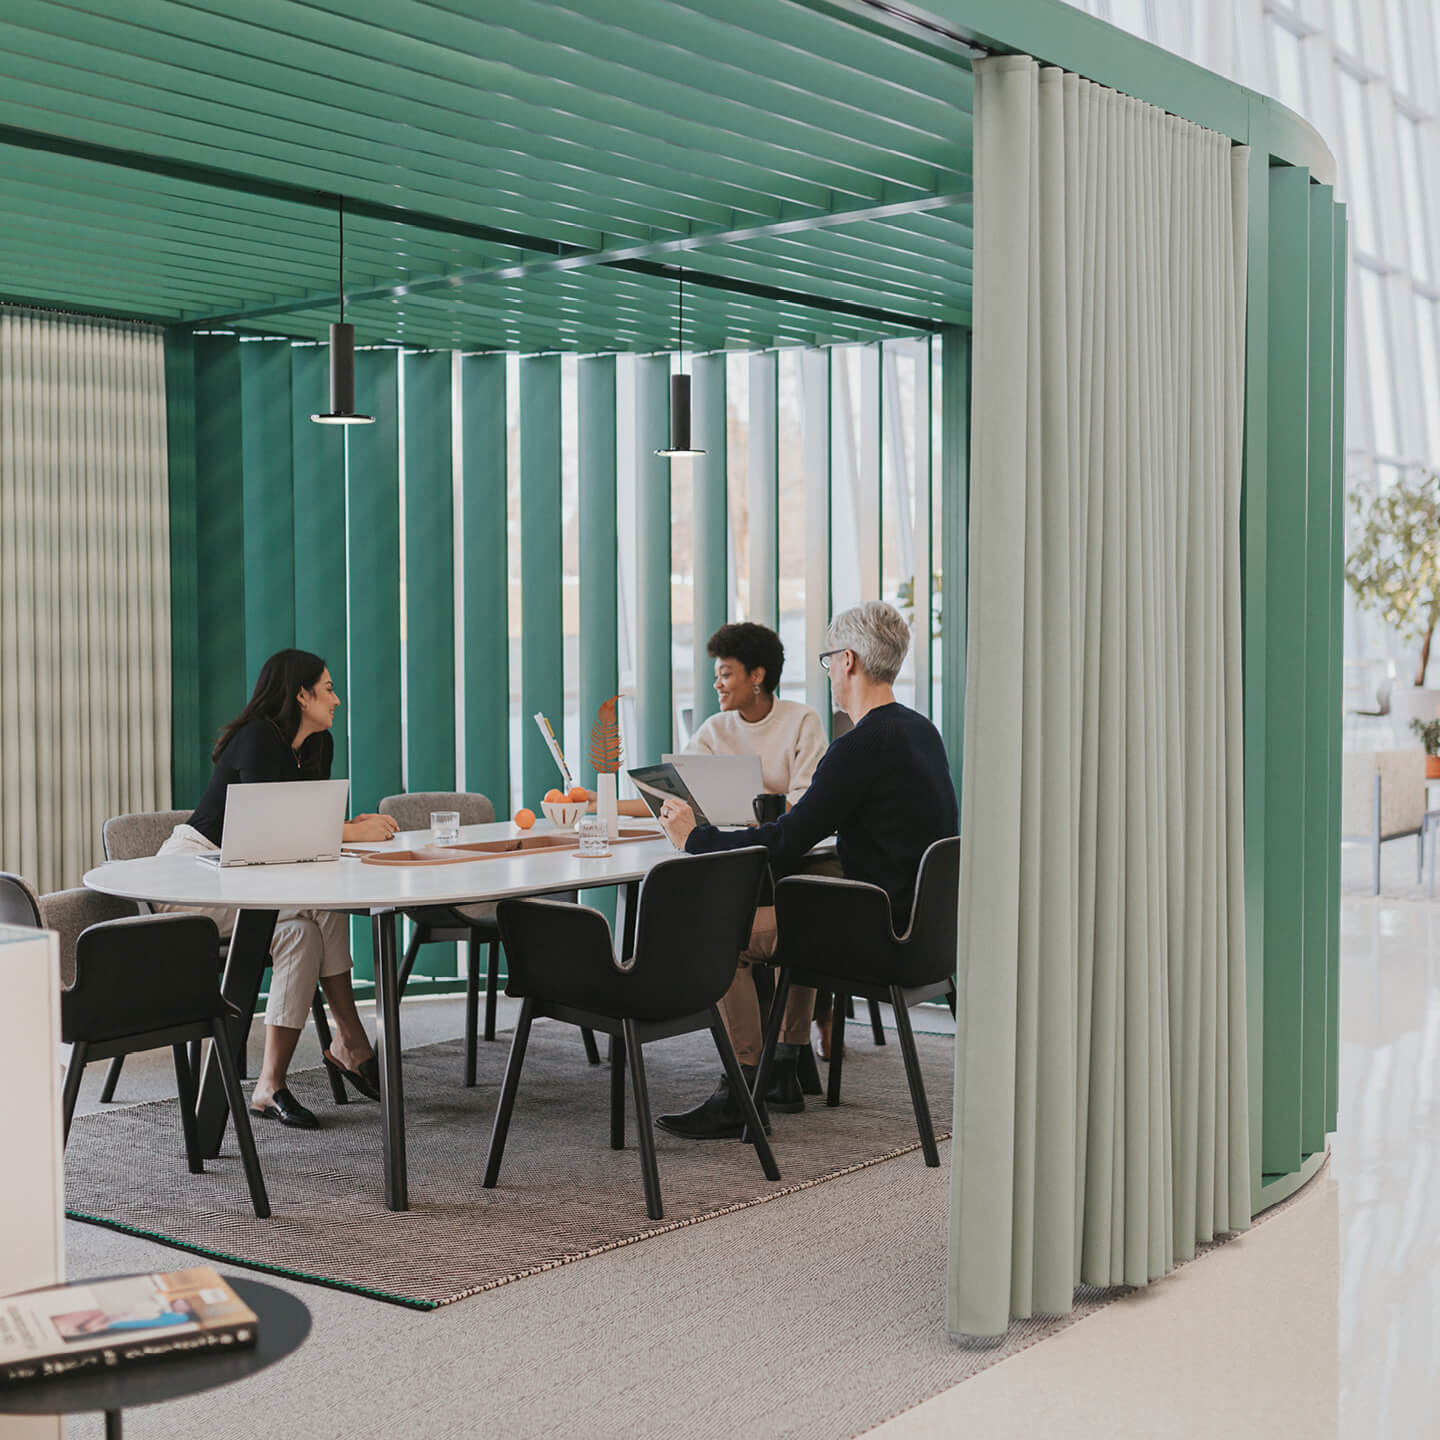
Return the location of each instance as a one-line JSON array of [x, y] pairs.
[[84, 588], [1100, 1088]]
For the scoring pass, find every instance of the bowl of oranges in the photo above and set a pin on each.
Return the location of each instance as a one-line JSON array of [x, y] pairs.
[[564, 810]]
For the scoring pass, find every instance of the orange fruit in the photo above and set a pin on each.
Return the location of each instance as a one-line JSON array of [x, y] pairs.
[[524, 818], [554, 797], [579, 796]]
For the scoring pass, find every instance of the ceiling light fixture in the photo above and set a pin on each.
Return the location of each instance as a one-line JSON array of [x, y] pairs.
[[342, 358], [680, 392]]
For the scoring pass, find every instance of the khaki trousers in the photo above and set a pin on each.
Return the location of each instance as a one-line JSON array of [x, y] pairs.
[[307, 943], [740, 1005]]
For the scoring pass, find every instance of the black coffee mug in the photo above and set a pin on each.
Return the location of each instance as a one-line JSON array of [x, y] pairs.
[[769, 807]]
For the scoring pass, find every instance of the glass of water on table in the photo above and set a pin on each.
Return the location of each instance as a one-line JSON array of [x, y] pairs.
[[445, 826]]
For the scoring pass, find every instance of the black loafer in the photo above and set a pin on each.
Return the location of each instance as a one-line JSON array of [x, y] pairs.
[[365, 1078], [285, 1108]]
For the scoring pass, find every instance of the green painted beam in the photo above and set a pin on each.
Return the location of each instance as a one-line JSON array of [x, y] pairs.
[[711, 523], [224, 683], [599, 550], [429, 574], [189, 770], [815, 401], [267, 411], [763, 471], [1289, 730], [954, 538], [542, 627], [319, 528], [654, 702], [484, 579]]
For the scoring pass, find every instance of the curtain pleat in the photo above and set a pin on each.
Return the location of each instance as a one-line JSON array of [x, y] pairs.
[[84, 588], [1101, 1107]]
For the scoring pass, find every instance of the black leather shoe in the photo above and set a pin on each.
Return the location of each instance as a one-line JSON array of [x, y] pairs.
[[785, 1094], [364, 1078], [719, 1118], [285, 1108], [807, 1071]]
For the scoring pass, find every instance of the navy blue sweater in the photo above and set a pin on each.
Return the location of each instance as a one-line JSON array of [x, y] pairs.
[[882, 789]]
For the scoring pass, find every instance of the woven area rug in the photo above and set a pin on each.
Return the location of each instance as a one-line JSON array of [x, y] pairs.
[[563, 1193]]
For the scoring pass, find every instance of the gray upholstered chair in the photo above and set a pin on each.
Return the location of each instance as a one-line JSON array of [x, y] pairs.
[[472, 924], [69, 913], [1382, 797], [19, 905], [135, 836]]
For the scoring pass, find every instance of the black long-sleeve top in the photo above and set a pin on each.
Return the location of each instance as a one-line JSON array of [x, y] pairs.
[[882, 789], [257, 753]]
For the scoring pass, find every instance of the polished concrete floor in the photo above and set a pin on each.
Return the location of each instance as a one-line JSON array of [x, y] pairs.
[[1322, 1321]]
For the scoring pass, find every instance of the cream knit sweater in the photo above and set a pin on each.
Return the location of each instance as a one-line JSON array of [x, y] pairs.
[[789, 741]]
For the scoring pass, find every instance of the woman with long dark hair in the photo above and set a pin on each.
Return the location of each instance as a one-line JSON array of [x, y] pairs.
[[283, 733]]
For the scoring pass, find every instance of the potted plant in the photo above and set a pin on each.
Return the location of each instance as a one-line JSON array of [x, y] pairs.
[[1393, 569], [1429, 733]]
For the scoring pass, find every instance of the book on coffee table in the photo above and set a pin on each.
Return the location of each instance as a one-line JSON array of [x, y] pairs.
[[68, 1330]]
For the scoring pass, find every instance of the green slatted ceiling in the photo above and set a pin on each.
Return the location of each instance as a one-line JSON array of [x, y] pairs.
[[668, 132]]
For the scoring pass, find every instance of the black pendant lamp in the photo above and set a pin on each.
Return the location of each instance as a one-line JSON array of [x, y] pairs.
[[342, 359], [680, 395]]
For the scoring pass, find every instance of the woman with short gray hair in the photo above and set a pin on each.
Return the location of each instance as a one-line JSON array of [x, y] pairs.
[[883, 789]]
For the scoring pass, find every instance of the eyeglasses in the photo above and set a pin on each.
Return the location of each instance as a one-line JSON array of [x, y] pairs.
[[826, 654]]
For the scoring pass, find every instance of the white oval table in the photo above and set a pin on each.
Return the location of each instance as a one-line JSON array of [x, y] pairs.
[[259, 892]]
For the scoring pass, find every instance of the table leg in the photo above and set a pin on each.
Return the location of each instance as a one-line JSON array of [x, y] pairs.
[[245, 964], [387, 1050], [627, 900], [114, 1425]]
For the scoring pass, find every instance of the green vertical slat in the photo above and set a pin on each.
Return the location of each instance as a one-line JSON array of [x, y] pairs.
[[654, 704], [224, 683], [373, 540], [1286, 669], [189, 769], [319, 523], [1322, 656], [1254, 531], [764, 489], [267, 419], [711, 523], [954, 537], [429, 575], [542, 669], [484, 579], [816, 399], [599, 563], [1339, 259]]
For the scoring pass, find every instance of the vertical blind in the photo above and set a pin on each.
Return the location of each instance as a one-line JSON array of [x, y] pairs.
[[1101, 1096], [84, 588]]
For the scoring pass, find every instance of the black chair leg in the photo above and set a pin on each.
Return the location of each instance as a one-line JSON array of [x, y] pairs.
[[419, 935], [837, 1048], [951, 999], [592, 1051], [472, 1003], [877, 1027], [185, 1088], [649, 1166], [617, 1092], [492, 988], [323, 1035], [754, 1131], [112, 1078], [507, 1093], [912, 1074], [71, 1093], [773, 1022], [240, 1114], [808, 1072]]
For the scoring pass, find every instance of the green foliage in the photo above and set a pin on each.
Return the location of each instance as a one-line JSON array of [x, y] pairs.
[[1429, 733], [1393, 566], [905, 603]]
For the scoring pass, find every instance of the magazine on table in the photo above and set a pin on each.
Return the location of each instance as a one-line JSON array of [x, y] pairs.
[[76, 1329]]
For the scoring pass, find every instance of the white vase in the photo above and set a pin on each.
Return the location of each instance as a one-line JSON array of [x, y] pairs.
[[606, 805]]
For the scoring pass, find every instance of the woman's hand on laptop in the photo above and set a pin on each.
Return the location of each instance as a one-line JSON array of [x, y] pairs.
[[371, 827], [677, 819]]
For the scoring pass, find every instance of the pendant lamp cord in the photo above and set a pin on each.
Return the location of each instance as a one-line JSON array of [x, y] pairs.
[[680, 324], [342, 259]]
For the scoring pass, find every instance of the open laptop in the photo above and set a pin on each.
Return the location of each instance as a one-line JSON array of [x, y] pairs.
[[282, 824], [725, 785]]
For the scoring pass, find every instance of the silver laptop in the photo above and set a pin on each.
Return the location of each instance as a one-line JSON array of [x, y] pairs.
[[725, 785], [287, 823]]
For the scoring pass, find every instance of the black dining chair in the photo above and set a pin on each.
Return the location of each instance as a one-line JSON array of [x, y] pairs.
[[470, 925], [144, 982], [838, 935], [694, 919]]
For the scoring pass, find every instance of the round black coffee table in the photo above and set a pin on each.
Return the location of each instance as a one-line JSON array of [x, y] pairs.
[[283, 1324]]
